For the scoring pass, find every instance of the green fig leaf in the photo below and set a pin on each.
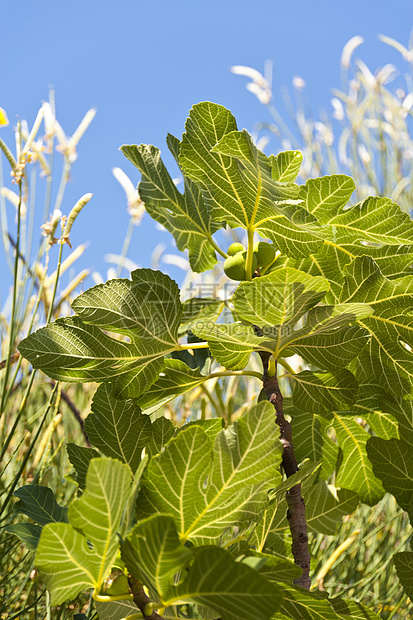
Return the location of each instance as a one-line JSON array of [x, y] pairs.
[[66, 561], [239, 467], [237, 183], [147, 310]]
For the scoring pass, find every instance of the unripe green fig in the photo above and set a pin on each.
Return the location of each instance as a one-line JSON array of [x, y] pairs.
[[265, 253], [234, 248], [116, 584], [234, 266]]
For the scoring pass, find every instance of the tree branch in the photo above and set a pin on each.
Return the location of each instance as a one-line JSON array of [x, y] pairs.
[[141, 599], [296, 507]]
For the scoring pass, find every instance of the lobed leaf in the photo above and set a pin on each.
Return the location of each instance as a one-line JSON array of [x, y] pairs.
[[376, 227], [39, 504], [326, 340], [299, 603], [117, 427], [356, 472], [64, 557], [388, 357], [286, 166], [324, 512], [176, 378], [208, 486], [322, 392], [186, 216], [237, 183], [153, 554], [232, 589], [146, 310], [392, 462], [283, 296], [311, 440]]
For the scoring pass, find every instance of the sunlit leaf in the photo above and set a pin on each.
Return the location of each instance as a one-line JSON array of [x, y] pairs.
[[324, 512], [116, 610], [237, 183], [147, 310], [153, 554], [376, 227], [389, 356], [117, 427], [356, 472], [64, 558], [198, 308], [176, 378], [238, 469], [231, 588], [286, 166], [283, 296], [321, 392], [298, 603], [311, 440], [326, 340]]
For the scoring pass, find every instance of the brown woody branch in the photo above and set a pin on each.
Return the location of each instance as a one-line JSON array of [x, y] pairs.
[[141, 599], [296, 507]]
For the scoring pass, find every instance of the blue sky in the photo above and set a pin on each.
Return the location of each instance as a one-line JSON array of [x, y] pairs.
[[144, 64]]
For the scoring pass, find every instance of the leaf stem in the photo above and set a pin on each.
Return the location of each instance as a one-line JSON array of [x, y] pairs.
[[192, 345], [105, 598], [250, 251], [236, 373], [287, 366], [217, 248]]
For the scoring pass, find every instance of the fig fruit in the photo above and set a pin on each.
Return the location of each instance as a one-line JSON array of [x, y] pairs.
[[234, 248], [265, 253], [234, 266], [116, 584]]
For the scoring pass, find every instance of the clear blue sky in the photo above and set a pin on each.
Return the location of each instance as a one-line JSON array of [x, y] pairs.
[[143, 65]]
